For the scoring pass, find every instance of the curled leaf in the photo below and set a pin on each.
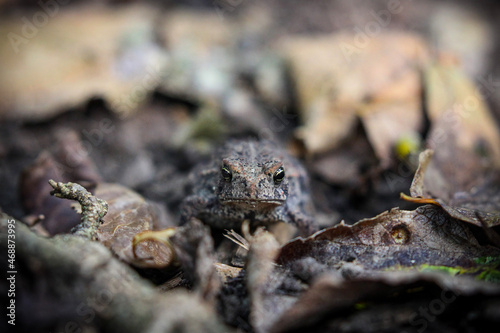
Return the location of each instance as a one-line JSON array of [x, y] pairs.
[[462, 172], [479, 206]]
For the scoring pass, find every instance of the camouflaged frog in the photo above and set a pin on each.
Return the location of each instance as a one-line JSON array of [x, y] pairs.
[[252, 180]]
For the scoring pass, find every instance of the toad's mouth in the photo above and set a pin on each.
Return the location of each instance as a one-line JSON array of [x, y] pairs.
[[253, 203]]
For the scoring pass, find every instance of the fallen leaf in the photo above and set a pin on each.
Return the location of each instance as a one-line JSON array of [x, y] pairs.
[[83, 53], [332, 296], [128, 215], [329, 273], [459, 115], [387, 123], [461, 172], [391, 240], [480, 205], [335, 78]]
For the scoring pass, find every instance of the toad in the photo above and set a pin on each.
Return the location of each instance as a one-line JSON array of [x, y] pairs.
[[250, 180]]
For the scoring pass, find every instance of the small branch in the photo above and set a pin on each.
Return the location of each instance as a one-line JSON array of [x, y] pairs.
[[93, 209]]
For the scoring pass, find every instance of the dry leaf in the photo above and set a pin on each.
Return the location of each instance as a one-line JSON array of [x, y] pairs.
[[332, 297], [335, 78], [389, 122], [83, 53], [393, 239], [462, 173], [459, 115], [346, 164], [128, 215], [479, 205]]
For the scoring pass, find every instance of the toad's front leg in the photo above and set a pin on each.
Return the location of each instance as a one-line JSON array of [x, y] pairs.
[[196, 206]]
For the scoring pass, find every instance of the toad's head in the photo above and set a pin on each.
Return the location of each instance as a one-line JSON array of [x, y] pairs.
[[252, 177]]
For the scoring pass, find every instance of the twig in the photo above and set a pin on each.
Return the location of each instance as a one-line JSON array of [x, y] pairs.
[[93, 209]]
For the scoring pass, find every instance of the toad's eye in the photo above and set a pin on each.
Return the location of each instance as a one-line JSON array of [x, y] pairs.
[[226, 173], [279, 175]]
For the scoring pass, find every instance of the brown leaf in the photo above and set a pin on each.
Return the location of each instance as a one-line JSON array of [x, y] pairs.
[[462, 173], [331, 294], [83, 53], [389, 122], [335, 79], [456, 106], [463, 135], [392, 239], [480, 205], [128, 215]]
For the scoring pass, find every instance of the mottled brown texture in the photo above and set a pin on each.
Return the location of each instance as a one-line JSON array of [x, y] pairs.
[[130, 214], [240, 183], [337, 82], [461, 172], [432, 184], [393, 239]]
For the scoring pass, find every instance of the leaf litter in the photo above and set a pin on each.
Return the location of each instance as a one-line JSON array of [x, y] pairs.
[[343, 278], [461, 171]]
